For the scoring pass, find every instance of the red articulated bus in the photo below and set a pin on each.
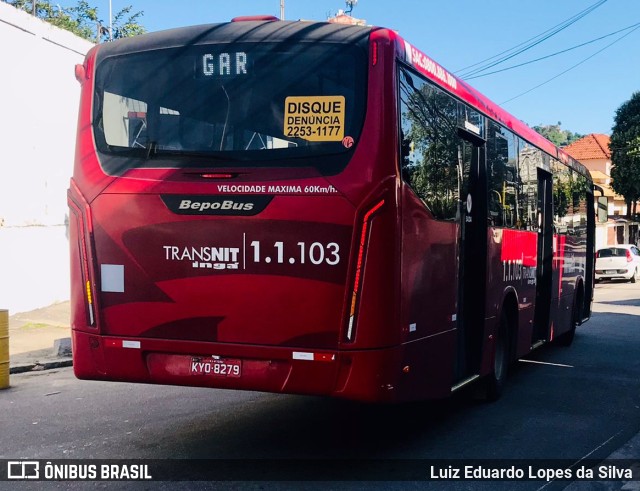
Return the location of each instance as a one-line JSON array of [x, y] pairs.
[[314, 208]]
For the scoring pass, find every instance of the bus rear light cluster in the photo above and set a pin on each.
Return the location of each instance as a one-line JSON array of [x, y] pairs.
[[358, 274], [87, 280], [83, 234]]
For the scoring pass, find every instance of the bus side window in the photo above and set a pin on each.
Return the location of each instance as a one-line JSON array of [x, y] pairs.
[[505, 186], [562, 203], [530, 159], [429, 144]]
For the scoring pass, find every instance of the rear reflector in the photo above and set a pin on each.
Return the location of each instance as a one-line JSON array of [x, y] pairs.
[[302, 355], [122, 343]]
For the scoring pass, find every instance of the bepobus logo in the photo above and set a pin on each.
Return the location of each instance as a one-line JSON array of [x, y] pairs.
[[23, 469], [217, 205], [227, 204]]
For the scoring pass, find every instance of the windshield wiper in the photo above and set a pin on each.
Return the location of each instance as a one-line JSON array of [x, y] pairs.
[[186, 153], [152, 149]]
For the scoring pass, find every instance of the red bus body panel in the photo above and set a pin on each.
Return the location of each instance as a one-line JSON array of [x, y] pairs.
[[272, 316], [285, 322]]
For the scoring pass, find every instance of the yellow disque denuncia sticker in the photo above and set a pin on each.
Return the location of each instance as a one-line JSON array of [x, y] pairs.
[[319, 118]]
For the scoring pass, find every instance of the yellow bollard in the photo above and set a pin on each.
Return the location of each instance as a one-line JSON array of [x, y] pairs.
[[4, 349]]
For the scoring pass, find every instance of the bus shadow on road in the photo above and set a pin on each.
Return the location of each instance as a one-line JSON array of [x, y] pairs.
[[301, 427], [632, 302]]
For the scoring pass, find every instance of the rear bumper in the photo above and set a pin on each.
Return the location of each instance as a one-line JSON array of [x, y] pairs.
[[369, 375], [617, 274]]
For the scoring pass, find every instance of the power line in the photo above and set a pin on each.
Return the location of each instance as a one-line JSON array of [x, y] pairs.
[[528, 44], [554, 54], [571, 68], [538, 41], [562, 25]]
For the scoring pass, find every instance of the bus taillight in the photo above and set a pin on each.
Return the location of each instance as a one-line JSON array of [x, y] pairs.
[[356, 282], [84, 220]]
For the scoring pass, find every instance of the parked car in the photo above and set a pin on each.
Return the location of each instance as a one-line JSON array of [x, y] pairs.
[[621, 261]]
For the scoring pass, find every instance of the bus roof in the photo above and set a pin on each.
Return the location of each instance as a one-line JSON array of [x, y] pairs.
[[239, 31], [313, 32]]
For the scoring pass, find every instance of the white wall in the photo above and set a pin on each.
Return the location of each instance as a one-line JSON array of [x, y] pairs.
[[39, 105], [34, 267], [38, 114]]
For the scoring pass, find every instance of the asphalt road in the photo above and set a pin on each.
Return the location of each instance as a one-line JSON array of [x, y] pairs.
[[575, 403]]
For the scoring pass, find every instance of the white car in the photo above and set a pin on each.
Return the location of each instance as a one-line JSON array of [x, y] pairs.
[[618, 262]]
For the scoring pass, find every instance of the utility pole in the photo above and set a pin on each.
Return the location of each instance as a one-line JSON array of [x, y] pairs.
[[281, 9], [110, 26]]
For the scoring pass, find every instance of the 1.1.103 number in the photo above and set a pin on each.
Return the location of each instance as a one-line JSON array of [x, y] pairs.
[[314, 253]]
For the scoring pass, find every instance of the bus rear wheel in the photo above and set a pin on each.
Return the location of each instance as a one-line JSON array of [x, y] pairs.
[[494, 383]]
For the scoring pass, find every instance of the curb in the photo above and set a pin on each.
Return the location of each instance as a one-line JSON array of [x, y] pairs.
[[37, 367]]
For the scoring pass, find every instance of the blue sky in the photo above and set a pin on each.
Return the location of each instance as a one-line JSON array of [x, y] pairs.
[[458, 33]]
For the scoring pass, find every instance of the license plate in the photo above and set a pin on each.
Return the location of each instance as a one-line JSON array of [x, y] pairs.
[[610, 271], [216, 367]]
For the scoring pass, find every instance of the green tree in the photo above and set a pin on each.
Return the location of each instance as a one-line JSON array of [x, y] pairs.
[[555, 134], [126, 25], [83, 20], [625, 152]]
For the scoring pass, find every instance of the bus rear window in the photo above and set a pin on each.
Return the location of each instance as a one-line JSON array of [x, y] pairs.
[[230, 104]]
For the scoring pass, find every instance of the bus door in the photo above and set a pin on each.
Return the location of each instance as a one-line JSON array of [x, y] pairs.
[[545, 258], [590, 244], [472, 255]]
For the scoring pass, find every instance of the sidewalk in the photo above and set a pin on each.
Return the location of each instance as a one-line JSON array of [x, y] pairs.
[[33, 336]]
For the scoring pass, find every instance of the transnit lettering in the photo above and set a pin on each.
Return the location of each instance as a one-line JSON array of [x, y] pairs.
[[220, 254]]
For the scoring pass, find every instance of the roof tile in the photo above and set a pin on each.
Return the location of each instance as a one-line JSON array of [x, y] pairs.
[[591, 147]]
